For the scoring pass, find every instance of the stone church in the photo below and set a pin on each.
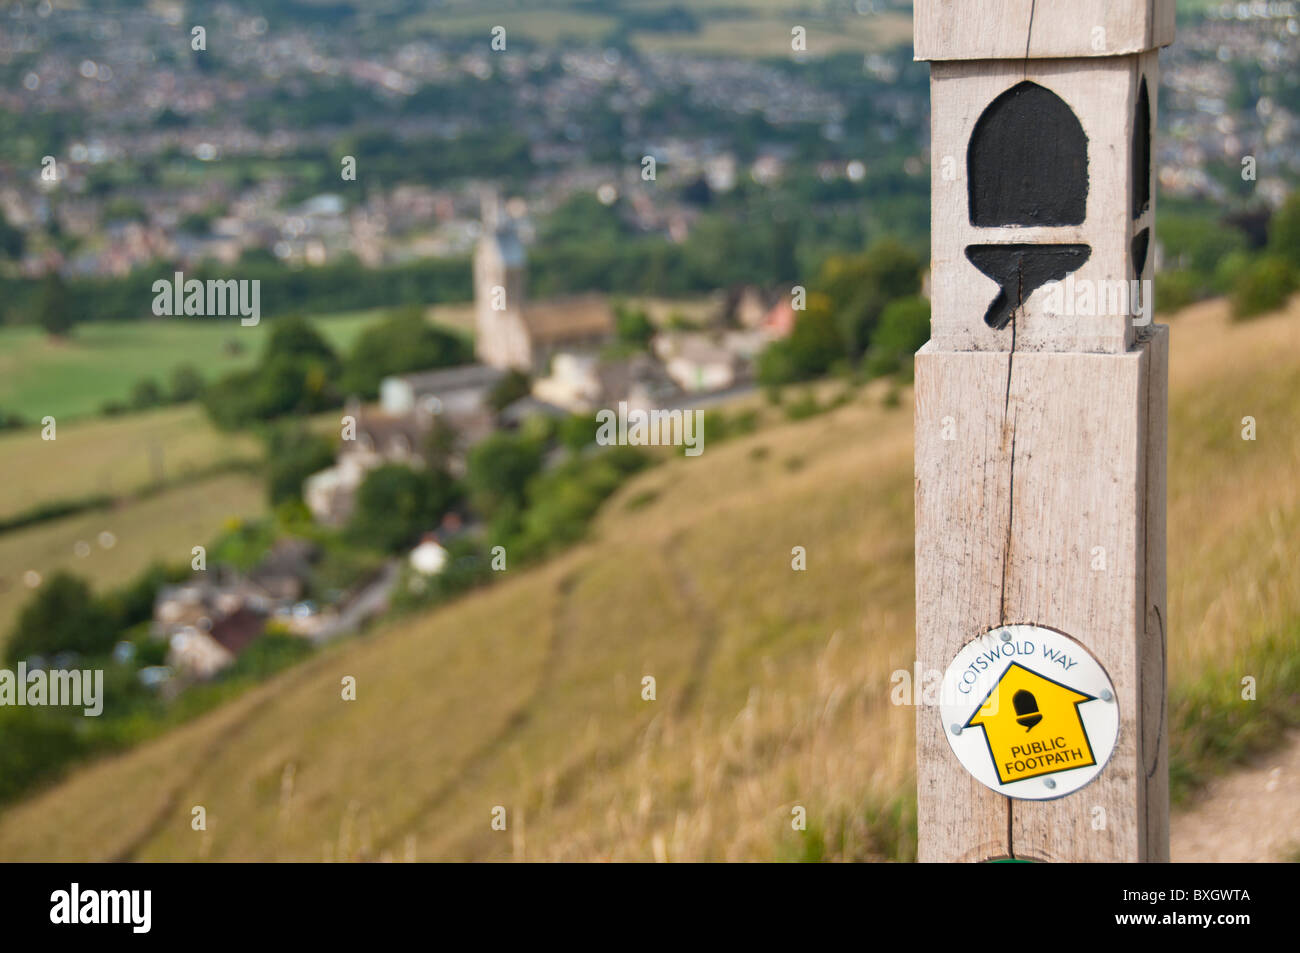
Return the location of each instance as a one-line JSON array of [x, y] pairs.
[[509, 331]]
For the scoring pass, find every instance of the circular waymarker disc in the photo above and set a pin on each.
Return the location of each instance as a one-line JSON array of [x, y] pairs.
[[1029, 712]]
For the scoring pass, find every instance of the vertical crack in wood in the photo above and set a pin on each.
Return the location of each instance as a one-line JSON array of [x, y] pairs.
[[1011, 503], [1006, 395], [1029, 32], [1160, 725], [1006, 559], [1148, 848], [1011, 846], [1009, 421]]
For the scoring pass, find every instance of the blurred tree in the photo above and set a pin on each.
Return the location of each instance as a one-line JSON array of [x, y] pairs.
[[514, 385], [63, 616], [294, 336], [577, 431], [232, 401], [499, 470], [146, 393], [293, 453], [53, 310], [396, 504], [860, 287], [1284, 230], [288, 384], [632, 326], [401, 343], [296, 374], [1195, 241], [12, 240], [810, 350], [1264, 286], [904, 327], [186, 384], [440, 444]]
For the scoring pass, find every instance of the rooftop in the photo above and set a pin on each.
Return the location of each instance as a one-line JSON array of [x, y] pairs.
[[463, 377]]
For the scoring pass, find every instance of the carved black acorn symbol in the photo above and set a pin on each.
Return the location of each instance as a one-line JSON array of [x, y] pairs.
[[1141, 175], [1026, 164], [1141, 156]]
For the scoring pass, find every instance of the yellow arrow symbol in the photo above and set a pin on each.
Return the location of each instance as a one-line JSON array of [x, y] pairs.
[[1032, 725]]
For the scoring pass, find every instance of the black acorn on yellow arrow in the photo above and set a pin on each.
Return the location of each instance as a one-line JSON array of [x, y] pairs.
[[1026, 707]]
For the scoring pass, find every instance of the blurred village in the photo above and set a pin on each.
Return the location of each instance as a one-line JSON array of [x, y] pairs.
[[559, 354]]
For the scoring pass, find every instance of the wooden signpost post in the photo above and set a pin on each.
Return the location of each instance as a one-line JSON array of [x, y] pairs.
[[1040, 436]]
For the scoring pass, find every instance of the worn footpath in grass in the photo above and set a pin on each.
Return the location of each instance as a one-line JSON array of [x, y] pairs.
[[771, 687], [1217, 723]]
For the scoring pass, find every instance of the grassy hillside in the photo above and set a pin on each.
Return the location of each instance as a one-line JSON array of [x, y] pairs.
[[162, 527], [117, 456], [772, 685]]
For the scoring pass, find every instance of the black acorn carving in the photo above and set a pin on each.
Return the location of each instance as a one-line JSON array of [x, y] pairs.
[[1026, 164]]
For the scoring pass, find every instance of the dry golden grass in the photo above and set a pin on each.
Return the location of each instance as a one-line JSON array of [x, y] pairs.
[[113, 456], [1234, 504], [160, 528], [772, 686]]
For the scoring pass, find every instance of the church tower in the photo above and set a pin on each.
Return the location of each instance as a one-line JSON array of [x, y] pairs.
[[501, 338]]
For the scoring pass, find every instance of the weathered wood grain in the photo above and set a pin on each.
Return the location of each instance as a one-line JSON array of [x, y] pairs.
[[1153, 746], [1050, 456], [1103, 95], [1038, 29]]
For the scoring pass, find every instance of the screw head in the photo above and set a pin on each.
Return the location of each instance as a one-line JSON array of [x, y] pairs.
[[955, 728], [1004, 635], [1106, 696], [1050, 784]]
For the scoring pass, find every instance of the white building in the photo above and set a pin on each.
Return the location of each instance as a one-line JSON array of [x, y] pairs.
[[695, 363], [454, 391], [429, 558], [509, 332], [574, 383]]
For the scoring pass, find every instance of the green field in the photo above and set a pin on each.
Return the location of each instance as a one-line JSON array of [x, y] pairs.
[[101, 362], [163, 527], [744, 28], [72, 379], [769, 35], [772, 686]]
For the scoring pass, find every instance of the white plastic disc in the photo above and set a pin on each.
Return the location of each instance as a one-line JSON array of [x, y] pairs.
[[1029, 712]]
